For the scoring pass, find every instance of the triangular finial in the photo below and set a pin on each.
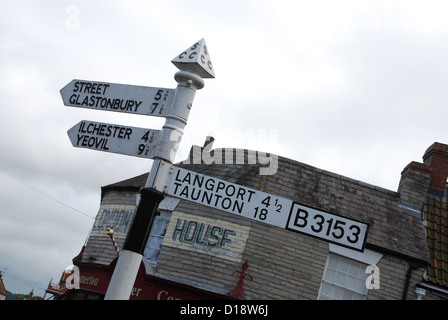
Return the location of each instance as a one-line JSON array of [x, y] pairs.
[[196, 59]]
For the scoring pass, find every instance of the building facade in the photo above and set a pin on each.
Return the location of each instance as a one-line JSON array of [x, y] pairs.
[[344, 239], [3, 293]]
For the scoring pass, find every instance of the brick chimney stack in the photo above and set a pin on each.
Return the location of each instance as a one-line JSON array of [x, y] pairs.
[[420, 179], [436, 157], [413, 185]]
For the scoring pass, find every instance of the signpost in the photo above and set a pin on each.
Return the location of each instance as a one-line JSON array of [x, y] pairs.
[[175, 105], [267, 208]]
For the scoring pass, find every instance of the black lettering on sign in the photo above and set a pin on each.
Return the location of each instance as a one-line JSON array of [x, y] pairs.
[[92, 142], [106, 130], [90, 87], [212, 192], [328, 226], [105, 103]]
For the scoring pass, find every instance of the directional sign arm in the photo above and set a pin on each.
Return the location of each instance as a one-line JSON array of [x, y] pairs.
[[132, 141], [115, 97], [267, 208]]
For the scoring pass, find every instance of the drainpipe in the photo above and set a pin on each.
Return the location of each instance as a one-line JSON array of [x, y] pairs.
[[412, 267]]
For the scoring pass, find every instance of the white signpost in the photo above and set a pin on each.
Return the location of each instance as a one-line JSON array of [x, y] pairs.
[[267, 208], [105, 96], [131, 141], [175, 105]]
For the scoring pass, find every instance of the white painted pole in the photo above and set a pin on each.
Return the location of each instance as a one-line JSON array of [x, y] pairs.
[[123, 278], [194, 64]]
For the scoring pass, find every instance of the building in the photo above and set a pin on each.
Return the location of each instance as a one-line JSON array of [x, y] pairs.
[[29, 296], [431, 175], [58, 289], [344, 239], [3, 293]]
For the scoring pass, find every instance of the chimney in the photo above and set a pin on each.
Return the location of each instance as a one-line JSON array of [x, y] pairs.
[[208, 144], [418, 180], [413, 185], [436, 157]]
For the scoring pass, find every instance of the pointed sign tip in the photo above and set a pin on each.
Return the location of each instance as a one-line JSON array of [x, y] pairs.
[[196, 59]]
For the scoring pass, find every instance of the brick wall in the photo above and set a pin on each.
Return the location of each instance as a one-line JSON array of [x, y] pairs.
[[393, 271]]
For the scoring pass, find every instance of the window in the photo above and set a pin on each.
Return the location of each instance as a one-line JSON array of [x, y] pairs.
[[344, 279], [155, 239]]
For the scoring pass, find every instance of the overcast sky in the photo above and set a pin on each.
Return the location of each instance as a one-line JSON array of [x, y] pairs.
[[354, 87]]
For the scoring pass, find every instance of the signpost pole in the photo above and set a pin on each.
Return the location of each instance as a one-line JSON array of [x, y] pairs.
[[191, 63]]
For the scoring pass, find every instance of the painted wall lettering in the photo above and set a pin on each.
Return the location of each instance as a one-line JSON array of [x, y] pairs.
[[165, 295], [205, 235], [116, 217], [89, 281], [193, 232]]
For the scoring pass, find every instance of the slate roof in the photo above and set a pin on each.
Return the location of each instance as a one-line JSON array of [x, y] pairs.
[[128, 184], [437, 220], [393, 228]]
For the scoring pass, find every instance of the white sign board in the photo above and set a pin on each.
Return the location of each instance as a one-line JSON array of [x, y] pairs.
[[267, 208], [118, 97], [327, 226], [132, 141]]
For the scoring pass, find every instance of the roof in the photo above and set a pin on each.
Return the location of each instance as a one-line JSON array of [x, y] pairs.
[[135, 182], [437, 220], [132, 184], [393, 228]]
